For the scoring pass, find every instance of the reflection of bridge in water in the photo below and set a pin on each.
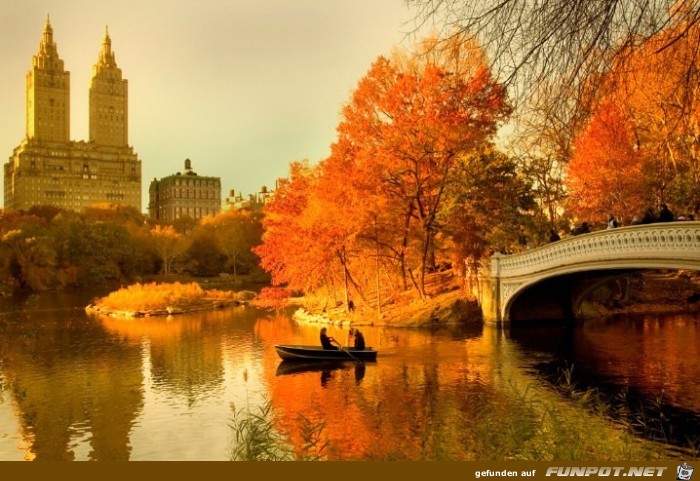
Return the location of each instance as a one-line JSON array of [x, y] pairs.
[[551, 282]]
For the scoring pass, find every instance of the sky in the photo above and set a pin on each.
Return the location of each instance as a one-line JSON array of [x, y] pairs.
[[242, 88]]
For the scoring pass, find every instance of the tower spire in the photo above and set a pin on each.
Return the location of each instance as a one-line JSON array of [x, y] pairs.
[[48, 32], [108, 99], [47, 56], [106, 58], [48, 93]]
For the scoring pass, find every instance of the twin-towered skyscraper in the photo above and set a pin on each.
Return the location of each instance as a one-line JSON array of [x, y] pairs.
[[50, 168]]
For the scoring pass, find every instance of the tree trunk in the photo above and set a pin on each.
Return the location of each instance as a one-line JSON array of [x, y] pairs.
[[376, 252], [404, 247], [345, 279]]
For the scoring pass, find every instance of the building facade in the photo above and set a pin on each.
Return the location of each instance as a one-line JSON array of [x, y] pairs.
[[184, 195], [48, 168], [254, 202]]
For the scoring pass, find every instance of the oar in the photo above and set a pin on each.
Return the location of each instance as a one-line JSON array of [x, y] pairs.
[[348, 353]]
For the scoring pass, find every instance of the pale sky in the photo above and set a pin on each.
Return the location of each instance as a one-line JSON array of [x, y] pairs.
[[242, 88]]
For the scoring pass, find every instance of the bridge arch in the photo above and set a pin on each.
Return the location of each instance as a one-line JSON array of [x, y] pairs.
[[557, 274]]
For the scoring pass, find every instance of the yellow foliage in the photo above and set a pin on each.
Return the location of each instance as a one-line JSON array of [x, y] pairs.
[[156, 295]]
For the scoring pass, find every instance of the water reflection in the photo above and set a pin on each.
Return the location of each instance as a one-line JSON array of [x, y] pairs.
[[185, 352], [326, 368], [77, 387], [646, 366], [74, 388]]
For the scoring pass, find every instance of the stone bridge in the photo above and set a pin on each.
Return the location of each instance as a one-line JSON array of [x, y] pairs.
[[552, 281]]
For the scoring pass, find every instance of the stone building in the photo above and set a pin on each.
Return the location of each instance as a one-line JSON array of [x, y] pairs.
[[49, 168], [184, 195]]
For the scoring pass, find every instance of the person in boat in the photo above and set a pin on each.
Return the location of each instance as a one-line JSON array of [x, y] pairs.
[[327, 341], [359, 339]]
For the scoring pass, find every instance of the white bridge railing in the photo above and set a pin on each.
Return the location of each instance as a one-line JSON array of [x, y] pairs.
[[677, 241]]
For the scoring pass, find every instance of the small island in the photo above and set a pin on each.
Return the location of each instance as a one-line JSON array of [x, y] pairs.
[[165, 299]]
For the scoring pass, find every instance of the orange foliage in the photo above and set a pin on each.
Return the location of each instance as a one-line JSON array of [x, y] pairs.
[[657, 86], [376, 199], [288, 252], [606, 173], [273, 297]]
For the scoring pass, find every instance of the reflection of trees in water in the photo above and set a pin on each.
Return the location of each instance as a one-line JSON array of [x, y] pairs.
[[434, 399], [387, 410], [644, 368], [407, 414], [64, 385], [191, 367], [186, 353]]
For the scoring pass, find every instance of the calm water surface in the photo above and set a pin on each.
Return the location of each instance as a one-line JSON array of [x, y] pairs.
[[74, 387]]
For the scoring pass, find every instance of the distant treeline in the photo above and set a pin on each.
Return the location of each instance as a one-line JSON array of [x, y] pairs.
[[47, 247]]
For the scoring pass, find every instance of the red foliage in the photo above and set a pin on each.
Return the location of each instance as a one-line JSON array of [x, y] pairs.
[[607, 171]]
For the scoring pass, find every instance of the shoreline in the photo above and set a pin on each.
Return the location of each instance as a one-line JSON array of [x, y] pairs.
[[208, 305], [653, 293], [448, 308]]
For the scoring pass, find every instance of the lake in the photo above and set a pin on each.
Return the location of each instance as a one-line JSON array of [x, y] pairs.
[[74, 387]]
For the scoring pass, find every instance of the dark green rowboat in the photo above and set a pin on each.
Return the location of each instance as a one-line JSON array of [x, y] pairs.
[[312, 353]]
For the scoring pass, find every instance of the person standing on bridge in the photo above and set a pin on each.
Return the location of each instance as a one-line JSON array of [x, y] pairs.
[[612, 222], [584, 228], [649, 217], [665, 215]]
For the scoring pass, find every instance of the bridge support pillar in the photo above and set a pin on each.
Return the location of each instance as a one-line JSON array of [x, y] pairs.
[[488, 291]]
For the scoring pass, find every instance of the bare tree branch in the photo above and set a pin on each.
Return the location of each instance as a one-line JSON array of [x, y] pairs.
[[536, 41]]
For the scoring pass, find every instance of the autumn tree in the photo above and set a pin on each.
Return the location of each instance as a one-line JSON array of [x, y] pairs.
[[545, 174], [236, 232], [33, 258], [288, 252], [560, 58], [542, 141], [490, 207], [607, 173], [340, 208], [370, 211], [659, 87], [114, 213], [203, 256], [408, 123], [92, 253], [168, 244]]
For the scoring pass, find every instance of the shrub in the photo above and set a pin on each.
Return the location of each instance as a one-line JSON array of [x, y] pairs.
[[160, 295]]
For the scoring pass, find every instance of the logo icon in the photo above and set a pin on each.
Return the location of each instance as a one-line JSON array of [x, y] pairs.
[[685, 471]]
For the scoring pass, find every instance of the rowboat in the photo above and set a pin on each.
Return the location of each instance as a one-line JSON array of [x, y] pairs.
[[318, 353]]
